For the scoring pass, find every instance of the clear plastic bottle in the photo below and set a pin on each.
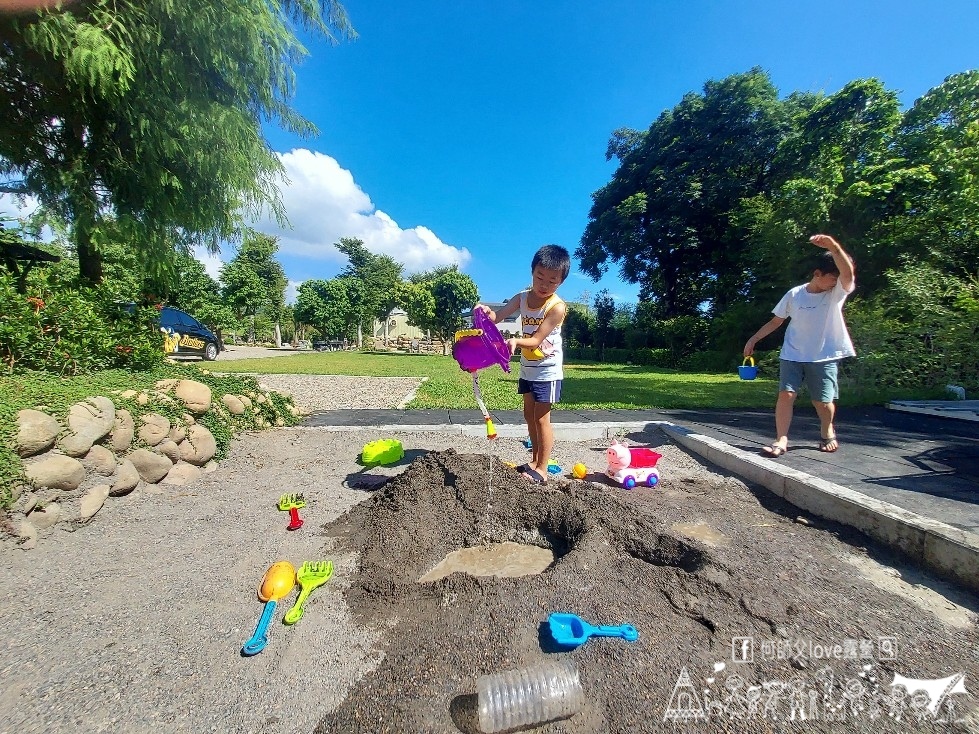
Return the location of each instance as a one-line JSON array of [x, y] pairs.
[[533, 695]]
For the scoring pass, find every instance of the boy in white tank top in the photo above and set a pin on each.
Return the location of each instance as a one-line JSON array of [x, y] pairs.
[[541, 351]]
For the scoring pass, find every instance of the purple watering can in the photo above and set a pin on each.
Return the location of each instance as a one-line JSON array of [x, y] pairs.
[[481, 346]]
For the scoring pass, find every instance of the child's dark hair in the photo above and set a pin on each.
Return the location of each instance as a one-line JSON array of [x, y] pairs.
[[553, 257], [825, 264]]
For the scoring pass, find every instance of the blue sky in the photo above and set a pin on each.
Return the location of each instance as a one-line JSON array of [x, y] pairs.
[[473, 131]]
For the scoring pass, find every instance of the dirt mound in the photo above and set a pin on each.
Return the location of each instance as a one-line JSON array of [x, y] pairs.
[[699, 567]]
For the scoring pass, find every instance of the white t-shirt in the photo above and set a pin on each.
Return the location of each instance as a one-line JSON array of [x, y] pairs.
[[816, 331]]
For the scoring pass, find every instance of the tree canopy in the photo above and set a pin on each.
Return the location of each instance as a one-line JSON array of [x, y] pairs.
[[711, 206], [149, 113]]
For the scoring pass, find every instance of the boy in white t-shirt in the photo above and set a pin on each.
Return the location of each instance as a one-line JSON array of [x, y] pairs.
[[816, 340]]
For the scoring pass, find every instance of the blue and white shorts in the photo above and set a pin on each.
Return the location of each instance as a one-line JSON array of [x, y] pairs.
[[544, 392]]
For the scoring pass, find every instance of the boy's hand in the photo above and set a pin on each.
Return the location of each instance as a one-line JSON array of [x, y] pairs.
[[486, 310], [824, 241], [512, 346]]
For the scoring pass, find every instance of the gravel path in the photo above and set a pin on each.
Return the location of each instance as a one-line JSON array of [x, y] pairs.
[[333, 392]]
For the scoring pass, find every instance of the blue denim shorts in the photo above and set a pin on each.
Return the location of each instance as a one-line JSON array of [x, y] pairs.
[[543, 392], [819, 377]]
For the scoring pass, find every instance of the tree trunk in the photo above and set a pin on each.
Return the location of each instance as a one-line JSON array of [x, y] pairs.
[[84, 209], [278, 335], [89, 259]]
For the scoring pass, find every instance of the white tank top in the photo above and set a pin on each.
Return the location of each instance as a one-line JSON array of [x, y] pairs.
[[547, 363]]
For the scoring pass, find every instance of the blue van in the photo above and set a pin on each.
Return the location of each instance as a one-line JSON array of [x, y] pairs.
[[183, 335]]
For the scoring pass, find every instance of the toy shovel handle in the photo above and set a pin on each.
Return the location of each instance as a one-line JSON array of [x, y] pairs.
[[259, 640], [296, 613], [625, 631]]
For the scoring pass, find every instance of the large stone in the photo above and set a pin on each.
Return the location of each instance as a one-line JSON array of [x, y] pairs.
[[181, 474], [27, 534], [195, 395], [94, 416], [77, 444], [56, 471], [36, 432], [152, 467], [246, 401], [46, 516], [155, 428], [127, 477], [92, 502], [122, 431], [233, 404], [169, 449], [100, 460], [199, 447], [177, 434]]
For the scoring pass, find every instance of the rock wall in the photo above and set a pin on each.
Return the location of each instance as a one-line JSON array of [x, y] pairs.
[[102, 451]]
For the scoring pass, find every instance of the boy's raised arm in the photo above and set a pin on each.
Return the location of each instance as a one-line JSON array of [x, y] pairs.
[[842, 260]]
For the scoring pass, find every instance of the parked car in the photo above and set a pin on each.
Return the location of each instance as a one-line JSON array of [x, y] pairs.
[[183, 335]]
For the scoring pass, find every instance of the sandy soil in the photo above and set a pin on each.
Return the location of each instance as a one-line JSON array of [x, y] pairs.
[[135, 622]]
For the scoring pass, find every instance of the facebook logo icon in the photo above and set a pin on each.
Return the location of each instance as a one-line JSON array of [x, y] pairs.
[[743, 649]]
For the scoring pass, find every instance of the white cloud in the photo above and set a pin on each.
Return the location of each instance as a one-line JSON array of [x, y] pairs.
[[292, 290], [212, 263], [22, 207], [324, 203], [14, 206]]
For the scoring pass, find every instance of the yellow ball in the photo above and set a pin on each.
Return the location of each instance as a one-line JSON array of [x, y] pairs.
[[580, 471]]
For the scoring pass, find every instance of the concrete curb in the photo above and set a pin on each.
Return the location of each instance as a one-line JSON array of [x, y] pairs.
[[946, 550], [964, 411], [562, 431]]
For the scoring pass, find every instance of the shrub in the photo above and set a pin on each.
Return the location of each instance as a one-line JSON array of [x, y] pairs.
[[67, 331]]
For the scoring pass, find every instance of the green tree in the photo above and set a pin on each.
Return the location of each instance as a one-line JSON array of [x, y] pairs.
[[939, 138], [604, 313], [150, 113], [325, 305], [435, 301], [579, 325], [665, 217], [378, 279], [253, 281]]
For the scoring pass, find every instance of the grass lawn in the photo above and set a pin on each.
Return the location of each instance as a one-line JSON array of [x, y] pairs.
[[586, 385]]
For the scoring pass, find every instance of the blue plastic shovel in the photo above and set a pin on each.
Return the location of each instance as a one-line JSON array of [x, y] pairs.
[[570, 630]]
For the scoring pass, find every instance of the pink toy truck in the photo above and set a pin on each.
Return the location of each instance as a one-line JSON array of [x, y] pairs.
[[634, 465]]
